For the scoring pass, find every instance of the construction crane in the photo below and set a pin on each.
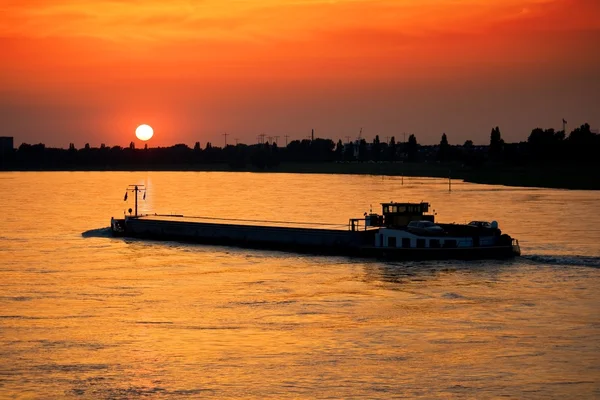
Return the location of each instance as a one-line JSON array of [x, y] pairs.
[[359, 137]]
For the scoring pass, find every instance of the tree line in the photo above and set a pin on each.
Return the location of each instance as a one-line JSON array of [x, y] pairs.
[[543, 145]]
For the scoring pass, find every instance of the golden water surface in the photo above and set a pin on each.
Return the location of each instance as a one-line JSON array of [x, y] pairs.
[[84, 315]]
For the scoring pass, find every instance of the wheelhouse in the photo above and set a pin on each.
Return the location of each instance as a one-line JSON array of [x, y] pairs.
[[394, 215], [401, 214]]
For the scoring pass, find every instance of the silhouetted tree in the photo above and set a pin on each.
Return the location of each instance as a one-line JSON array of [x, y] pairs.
[[392, 149], [349, 152], [583, 136], [444, 141], [238, 158], [362, 150], [273, 156], [583, 144], [412, 148], [259, 156], [376, 149], [444, 150], [470, 157], [545, 144], [339, 151], [322, 150], [496, 144]]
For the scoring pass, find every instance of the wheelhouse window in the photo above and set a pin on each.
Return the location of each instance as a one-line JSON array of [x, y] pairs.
[[450, 243], [391, 242], [420, 243], [406, 243], [434, 243]]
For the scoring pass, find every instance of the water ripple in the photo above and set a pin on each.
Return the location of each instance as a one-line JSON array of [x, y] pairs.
[[572, 260]]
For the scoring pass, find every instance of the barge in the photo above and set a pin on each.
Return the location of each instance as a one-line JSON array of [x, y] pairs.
[[403, 231]]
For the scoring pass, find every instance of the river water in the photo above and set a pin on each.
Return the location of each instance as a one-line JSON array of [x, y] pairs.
[[84, 315]]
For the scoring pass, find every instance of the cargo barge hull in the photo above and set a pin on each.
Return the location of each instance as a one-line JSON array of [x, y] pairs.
[[352, 243], [306, 240]]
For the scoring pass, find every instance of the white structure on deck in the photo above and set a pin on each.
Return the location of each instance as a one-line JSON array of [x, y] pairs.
[[387, 237]]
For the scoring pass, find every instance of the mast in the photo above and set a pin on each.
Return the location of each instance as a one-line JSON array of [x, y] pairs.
[[136, 192], [135, 189]]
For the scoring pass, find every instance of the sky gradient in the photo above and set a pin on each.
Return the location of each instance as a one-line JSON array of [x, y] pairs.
[[92, 71]]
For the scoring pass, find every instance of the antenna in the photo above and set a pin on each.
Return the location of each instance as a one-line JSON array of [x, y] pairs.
[[225, 135]]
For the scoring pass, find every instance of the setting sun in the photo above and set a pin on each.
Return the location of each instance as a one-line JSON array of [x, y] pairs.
[[144, 132]]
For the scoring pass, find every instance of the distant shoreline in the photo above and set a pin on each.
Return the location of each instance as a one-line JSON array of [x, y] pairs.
[[541, 175]]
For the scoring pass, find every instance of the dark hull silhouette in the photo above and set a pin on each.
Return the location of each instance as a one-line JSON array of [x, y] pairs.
[[303, 240]]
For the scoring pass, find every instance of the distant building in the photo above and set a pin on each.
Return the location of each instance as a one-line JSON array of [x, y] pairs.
[[6, 145]]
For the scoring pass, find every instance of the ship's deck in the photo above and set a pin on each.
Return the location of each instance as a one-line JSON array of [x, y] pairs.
[[246, 222]]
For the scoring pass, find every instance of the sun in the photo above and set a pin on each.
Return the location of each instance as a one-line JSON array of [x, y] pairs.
[[144, 132]]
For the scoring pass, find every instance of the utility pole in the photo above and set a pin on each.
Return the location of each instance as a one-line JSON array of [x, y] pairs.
[[276, 138], [286, 140], [270, 139], [387, 139], [225, 135], [312, 135], [236, 141]]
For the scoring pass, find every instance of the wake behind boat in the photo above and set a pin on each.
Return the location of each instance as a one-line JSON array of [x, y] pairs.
[[402, 231]]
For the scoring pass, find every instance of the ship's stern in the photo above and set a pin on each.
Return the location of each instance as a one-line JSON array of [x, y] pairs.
[[117, 226], [516, 248]]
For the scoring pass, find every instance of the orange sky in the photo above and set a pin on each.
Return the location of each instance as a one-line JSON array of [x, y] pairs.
[[92, 70]]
